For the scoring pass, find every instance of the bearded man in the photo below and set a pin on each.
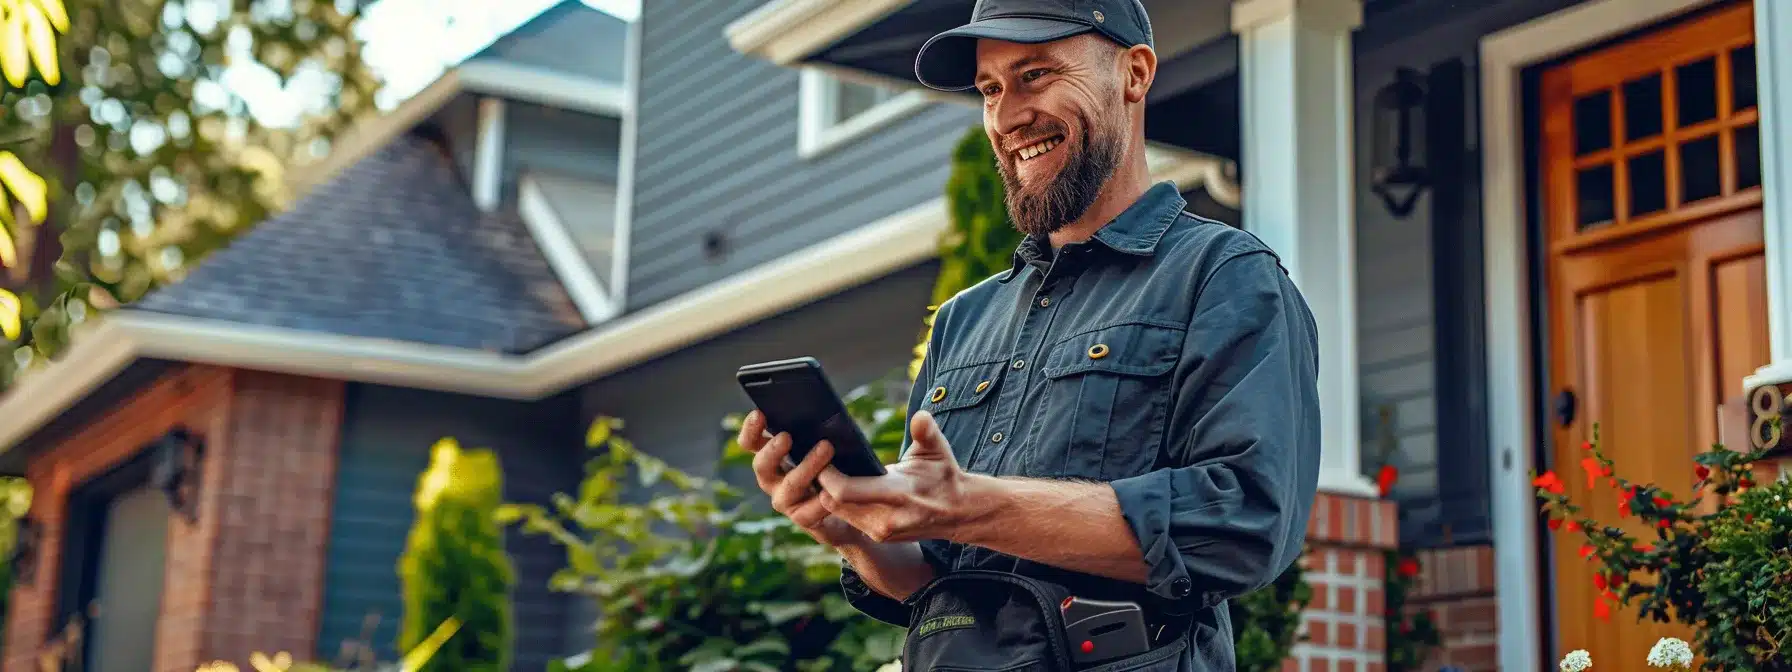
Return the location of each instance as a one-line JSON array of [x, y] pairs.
[[1130, 412]]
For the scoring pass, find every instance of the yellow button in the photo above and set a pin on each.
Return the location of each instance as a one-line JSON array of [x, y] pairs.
[[939, 393], [1098, 351], [982, 386]]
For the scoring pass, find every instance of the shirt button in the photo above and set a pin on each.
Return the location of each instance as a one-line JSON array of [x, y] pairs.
[[1180, 587], [1045, 301], [1020, 364], [997, 438]]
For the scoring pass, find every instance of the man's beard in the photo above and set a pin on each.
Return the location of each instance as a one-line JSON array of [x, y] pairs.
[[1042, 209]]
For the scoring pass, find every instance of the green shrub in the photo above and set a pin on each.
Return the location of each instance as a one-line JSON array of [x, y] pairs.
[[454, 566]]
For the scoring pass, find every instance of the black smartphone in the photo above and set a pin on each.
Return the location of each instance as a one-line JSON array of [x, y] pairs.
[[796, 397]]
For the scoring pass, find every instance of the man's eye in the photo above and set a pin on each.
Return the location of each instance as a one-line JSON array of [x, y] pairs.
[[1034, 74], [991, 89]]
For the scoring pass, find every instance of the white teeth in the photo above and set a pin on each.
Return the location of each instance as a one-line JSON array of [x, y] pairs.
[[1031, 151]]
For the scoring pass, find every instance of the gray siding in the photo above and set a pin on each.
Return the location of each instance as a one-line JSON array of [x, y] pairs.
[[674, 405], [717, 153], [565, 142], [387, 433]]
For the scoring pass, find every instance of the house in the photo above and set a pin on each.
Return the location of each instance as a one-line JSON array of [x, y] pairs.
[[1515, 219], [227, 466]]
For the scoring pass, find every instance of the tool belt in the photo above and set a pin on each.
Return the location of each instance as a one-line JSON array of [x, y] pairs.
[[974, 620]]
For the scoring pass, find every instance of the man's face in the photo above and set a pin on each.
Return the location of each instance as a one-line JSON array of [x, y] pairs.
[[1055, 116]]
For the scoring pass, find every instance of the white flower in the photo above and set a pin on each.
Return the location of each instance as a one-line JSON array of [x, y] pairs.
[[1577, 660], [1670, 652], [892, 666]]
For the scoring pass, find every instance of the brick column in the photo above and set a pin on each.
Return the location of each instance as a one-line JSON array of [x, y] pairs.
[[1344, 564], [1456, 585], [247, 576]]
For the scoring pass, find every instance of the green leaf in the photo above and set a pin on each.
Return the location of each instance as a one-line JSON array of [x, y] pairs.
[[772, 645], [779, 613]]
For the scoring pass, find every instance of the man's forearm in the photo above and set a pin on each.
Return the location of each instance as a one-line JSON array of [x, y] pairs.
[[896, 570], [1071, 525]]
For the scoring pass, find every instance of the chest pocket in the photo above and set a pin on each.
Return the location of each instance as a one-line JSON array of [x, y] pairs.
[[1106, 399], [958, 397]]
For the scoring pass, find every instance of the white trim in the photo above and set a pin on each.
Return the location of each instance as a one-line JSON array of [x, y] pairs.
[[544, 87], [819, 130], [1509, 358], [1773, 45], [625, 169], [785, 31], [568, 261], [488, 157], [477, 77], [114, 340]]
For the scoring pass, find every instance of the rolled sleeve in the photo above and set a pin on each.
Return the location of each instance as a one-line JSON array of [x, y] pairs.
[[1230, 512]]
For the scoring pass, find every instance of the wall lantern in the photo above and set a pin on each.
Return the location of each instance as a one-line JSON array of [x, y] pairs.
[[1398, 172], [179, 455]]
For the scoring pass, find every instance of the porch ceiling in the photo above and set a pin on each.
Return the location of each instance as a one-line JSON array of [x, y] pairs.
[[1194, 104]]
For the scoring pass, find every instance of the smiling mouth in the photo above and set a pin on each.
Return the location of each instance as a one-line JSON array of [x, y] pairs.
[[1038, 149]]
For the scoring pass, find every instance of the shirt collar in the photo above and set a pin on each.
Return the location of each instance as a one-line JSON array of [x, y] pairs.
[[1135, 231]]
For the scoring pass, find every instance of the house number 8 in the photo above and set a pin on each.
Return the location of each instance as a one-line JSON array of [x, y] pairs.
[[1767, 403]]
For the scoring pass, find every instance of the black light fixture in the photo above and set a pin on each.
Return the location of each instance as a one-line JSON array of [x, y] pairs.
[[179, 454], [23, 558], [1399, 173]]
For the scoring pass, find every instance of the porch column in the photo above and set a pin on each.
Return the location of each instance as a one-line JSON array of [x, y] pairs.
[[1295, 80], [1773, 46]]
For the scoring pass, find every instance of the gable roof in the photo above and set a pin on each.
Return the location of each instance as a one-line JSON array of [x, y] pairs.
[[570, 37], [392, 247]]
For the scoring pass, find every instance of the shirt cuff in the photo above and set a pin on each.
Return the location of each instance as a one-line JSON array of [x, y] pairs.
[[870, 602], [1145, 503]]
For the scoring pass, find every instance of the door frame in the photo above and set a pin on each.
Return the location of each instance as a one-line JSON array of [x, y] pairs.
[[1513, 302], [85, 532]]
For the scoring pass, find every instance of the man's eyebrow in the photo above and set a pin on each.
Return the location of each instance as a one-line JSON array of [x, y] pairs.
[[1022, 63]]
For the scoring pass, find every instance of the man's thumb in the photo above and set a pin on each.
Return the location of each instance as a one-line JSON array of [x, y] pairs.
[[924, 431]]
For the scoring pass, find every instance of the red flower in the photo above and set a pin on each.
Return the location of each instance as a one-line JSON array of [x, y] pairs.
[[1386, 478], [1665, 524], [1408, 568], [1550, 482], [1602, 611], [1586, 551], [1748, 517], [1555, 523], [1746, 483], [1617, 580], [1645, 548], [1663, 502], [1599, 581], [1702, 471], [1624, 501], [1586, 445], [1573, 526]]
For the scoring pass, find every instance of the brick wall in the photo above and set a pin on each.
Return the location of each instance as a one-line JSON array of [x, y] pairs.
[[1456, 585], [1344, 564], [246, 576]]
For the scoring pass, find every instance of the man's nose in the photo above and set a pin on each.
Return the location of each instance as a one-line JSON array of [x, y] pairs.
[[1012, 114]]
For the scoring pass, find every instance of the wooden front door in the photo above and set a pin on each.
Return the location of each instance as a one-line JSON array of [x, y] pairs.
[[1656, 287]]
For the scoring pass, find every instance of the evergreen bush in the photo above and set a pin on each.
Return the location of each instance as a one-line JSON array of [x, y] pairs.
[[454, 566]]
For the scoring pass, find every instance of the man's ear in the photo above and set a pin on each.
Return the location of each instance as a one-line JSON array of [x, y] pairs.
[[1140, 63]]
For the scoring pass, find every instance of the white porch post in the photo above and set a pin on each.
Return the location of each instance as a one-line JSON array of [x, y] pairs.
[[1773, 46], [1295, 80]]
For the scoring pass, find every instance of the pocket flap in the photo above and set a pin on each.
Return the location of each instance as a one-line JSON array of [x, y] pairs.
[[961, 386], [1134, 348]]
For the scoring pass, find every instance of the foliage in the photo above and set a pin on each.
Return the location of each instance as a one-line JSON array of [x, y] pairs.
[[1266, 623], [454, 565], [1412, 634], [980, 240], [1721, 565], [132, 154], [691, 575], [412, 661], [1668, 653]]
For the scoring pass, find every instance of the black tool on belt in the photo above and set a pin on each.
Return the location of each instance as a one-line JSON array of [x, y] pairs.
[[1100, 631]]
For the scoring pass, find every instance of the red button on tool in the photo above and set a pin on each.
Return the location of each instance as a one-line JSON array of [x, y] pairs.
[[1066, 604], [1088, 646]]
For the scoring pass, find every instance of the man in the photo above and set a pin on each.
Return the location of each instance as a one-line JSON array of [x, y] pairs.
[[1131, 409]]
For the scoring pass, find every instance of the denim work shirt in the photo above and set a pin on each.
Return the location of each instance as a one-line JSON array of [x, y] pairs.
[[1170, 357]]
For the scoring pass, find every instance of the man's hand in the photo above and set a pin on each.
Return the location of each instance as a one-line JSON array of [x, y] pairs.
[[793, 492], [919, 498]]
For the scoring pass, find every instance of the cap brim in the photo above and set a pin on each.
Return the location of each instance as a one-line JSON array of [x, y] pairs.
[[948, 61]]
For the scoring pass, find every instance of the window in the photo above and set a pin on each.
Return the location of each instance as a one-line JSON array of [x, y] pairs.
[[836, 111]]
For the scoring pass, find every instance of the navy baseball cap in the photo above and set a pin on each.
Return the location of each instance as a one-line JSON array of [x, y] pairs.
[[948, 61]]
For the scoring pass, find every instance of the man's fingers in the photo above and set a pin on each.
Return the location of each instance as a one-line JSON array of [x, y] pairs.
[[766, 461], [842, 489], [752, 432], [799, 484], [809, 515]]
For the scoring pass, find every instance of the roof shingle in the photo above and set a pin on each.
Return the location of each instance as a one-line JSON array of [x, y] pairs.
[[393, 247]]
